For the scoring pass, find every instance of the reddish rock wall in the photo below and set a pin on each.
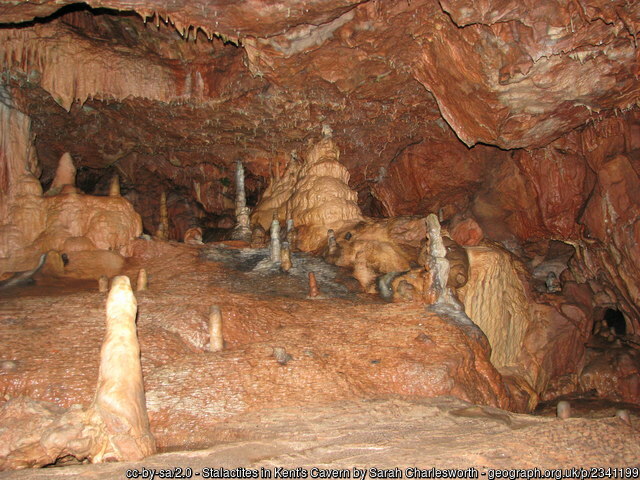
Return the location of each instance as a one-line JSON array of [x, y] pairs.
[[521, 117]]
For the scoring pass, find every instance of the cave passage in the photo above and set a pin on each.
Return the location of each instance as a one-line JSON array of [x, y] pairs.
[[615, 319]]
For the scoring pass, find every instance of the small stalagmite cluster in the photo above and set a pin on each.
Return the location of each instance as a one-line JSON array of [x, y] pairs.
[[94, 233]]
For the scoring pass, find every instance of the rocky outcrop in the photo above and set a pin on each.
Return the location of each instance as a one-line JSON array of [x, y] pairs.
[[541, 340]]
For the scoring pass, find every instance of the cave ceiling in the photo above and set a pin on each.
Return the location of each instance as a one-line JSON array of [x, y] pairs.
[[175, 92]]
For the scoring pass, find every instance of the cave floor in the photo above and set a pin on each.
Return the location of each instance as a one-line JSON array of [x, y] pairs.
[[353, 392], [388, 433]]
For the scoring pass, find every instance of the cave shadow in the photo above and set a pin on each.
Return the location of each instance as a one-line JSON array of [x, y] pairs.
[[251, 271]]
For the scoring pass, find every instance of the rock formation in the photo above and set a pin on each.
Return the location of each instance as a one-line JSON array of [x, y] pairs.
[[119, 408], [242, 231], [319, 199], [114, 427], [276, 246], [216, 342], [529, 339], [65, 175], [114, 186], [516, 124], [163, 226], [94, 231]]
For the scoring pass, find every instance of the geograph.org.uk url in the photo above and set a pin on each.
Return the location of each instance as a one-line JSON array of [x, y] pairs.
[[355, 473], [561, 473]]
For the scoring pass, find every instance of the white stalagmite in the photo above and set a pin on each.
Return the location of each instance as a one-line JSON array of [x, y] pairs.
[[216, 342], [276, 253], [563, 410], [242, 230], [438, 264], [241, 200], [120, 404]]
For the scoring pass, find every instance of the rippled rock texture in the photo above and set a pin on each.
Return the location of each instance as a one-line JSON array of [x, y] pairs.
[[516, 123]]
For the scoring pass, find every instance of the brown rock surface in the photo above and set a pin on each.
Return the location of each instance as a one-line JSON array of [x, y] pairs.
[[514, 122], [612, 216], [363, 350]]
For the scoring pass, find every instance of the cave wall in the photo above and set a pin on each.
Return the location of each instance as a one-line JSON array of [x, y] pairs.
[[519, 115]]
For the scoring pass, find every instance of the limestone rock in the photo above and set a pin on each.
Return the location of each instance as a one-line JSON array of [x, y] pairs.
[[536, 341], [315, 195]]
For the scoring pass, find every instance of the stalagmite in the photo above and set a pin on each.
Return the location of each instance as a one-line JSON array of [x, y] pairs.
[[313, 285], [438, 264], [242, 230], [623, 415], [241, 200], [103, 284], [65, 175], [563, 410], [119, 403], [332, 244], [276, 254], [216, 342], [285, 264], [361, 272], [292, 235], [163, 227], [258, 236], [193, 236], [114, 186], [114, 427], [316, 195], [141, 282]]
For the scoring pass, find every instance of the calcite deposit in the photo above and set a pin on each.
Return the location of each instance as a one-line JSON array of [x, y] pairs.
[[314, 195], [332, 201], [114, 427]]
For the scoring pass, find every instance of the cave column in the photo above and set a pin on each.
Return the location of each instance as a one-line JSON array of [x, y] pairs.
[[22, 213], [276, 253]]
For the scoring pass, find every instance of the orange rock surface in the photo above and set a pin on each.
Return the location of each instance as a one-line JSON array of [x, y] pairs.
[[515, 123]]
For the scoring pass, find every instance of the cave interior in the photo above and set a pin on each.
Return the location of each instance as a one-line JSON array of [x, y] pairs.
[[317, 204]]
